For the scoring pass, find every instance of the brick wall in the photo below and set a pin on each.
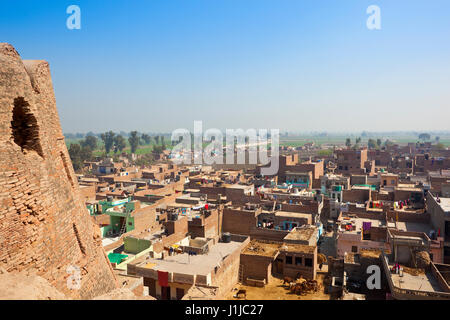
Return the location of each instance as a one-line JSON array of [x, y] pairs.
[[256, 267], [238, 221], [44, 224]]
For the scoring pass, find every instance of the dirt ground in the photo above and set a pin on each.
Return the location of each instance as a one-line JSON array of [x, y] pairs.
[[275, 290]]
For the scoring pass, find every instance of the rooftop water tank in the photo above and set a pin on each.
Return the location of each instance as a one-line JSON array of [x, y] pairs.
[[226, 237]]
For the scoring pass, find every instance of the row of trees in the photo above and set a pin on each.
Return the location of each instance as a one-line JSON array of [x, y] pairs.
[[371, 143], [116, 143], [83, 150]]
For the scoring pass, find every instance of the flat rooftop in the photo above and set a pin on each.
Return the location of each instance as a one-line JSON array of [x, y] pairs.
[[302, 234], [420, 282], [260, 248], [445, 204], [414, 227], [292, 214], [193, 265], [358, 222]]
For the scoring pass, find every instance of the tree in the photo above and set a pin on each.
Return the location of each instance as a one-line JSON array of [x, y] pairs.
[[79, 154], [75, 156], [388, 143], [424, 136], [86, 153], [437, 139], [134, 141], [379, 142], [146, 138], [157, 139], [120, 143], [371, 144], [348, 142], [108, 140], [358, 140], [90, 141], [157, 149]]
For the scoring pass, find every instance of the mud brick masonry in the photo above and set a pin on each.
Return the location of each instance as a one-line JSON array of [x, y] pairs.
[[44, 225]]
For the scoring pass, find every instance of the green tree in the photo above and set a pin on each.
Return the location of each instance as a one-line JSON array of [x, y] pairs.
[[75, 156], [379, 142], [157, 139], [388, 143], [424, 136], [90, 141], [348, 142], [157, 149], [146, 138], [86, 153], [358, 140], [119, 143], [134, 141], [108, 140], [371, 144]]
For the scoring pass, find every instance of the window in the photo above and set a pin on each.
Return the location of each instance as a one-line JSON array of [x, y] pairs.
[[308, 262], [392, 181], [354, 249], [298, 260], [288, 259]]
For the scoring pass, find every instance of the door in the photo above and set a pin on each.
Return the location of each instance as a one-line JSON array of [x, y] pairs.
[[165, 293], [278, 266]]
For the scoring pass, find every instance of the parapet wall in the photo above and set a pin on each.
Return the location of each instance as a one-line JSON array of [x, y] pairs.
[[44, 224]]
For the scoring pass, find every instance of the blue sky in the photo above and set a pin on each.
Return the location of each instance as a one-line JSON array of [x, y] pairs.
[[157, 65]]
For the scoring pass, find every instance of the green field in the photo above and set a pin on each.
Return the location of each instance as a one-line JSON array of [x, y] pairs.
[[339, 140]]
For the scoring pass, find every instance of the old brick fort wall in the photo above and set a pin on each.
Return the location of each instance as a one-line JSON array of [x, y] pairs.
[[44, 225]]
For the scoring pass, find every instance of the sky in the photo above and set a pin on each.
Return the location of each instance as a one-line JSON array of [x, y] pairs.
[[295, 65]]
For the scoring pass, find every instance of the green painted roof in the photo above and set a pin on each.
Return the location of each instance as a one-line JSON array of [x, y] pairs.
[[116, 257]]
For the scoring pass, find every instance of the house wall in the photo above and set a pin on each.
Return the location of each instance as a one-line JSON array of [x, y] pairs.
[[256, 267], [238, 221], [293, 270]]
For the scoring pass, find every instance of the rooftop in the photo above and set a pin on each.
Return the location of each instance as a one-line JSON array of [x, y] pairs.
[[292, 214], [302, 234], [420, 281], [445, 204], [260, 248], [193, 265]]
